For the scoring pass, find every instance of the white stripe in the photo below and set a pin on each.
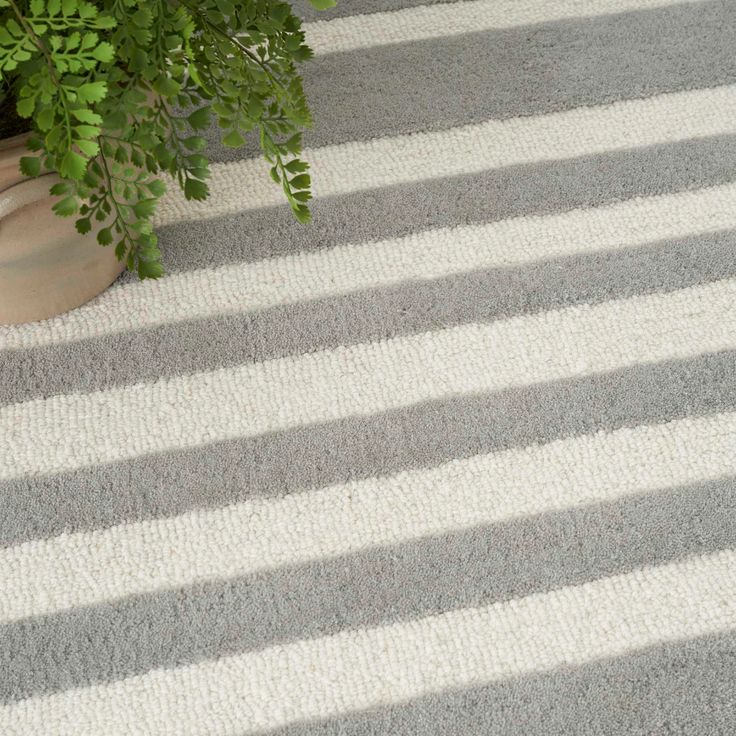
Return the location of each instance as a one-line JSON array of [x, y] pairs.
[[247, 287], [46, 576], [76, 430], [356, 166], [354, 670], [451, 19]]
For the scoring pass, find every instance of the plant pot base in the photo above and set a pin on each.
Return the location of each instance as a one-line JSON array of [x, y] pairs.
[[46, 266]]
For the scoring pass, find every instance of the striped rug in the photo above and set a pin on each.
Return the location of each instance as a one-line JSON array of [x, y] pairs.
[[458, 458]]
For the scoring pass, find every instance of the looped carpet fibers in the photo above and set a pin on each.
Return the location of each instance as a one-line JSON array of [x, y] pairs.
[[458, 458]]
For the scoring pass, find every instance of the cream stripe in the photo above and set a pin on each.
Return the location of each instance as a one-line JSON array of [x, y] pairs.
[[72, 431], [251, 286], [46, 576], [354, 670], [451, 19], [356, 166]]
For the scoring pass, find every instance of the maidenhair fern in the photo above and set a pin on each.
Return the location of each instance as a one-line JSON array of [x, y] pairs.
[[116, 92]]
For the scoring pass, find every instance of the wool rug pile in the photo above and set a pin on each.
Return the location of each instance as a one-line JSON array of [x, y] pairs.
[[457, 458]]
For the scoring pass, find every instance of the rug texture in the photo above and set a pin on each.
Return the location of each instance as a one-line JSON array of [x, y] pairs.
[[457, 458]]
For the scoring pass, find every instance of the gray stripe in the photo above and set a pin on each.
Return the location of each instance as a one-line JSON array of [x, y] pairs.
[[318, 455], [356, 7], [489, 196], [514, 72], [468, 568], [361, 317], [683, 688]]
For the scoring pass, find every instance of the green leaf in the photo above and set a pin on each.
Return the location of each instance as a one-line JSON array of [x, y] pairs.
[[30, 165], [166, 86], [90, 148], [145, 207], [200, 119], [255, 107], [221, 109], [61, 187], [279, 12], [86, 131], [302, 213], [104, 52], [86, 10], [73, 40], [301, 182], [106, 21], [121, 249], [199, 173], [85, 115], [68, 7], [83, 225], [91, 92], [104, 236], [34, 143], [13, 27], [233, 139], [296, 166], [147, 246], [72, 165], [303, 53], [66, 207], [26, 106], [150, 269], [198, 160], [195, 143], [156, 187], [54, 136], [195, 189], [142, 18], [294, 144], [90, 40], [114, 120], [163, 155], [294, 42]]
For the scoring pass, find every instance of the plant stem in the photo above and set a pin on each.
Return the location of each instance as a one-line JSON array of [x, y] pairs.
[[118, 214], [50, 64], [235, 42]]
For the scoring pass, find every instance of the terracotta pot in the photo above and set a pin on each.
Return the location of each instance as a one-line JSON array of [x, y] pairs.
[[46, 266]]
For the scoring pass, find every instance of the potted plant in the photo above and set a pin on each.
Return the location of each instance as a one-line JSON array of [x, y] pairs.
[[108, 98]]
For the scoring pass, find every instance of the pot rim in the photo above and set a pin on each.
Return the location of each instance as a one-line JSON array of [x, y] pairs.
[[14, 140], [11, 151]]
